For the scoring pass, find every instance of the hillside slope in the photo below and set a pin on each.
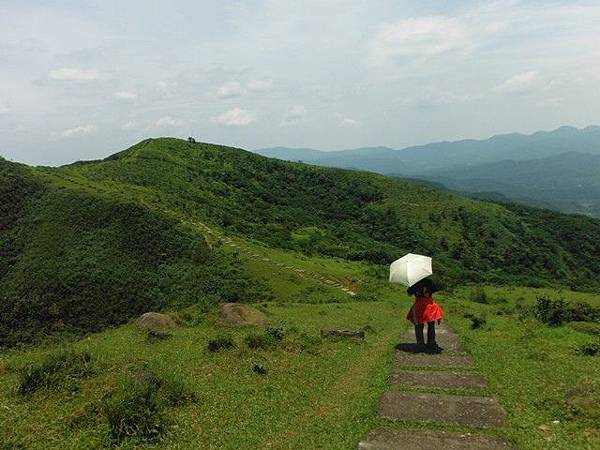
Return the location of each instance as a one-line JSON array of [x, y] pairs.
[[77, 260], [95, 243], [353, 215]]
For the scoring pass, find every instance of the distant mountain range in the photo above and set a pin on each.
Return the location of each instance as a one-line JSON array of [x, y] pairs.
[[557, 169]]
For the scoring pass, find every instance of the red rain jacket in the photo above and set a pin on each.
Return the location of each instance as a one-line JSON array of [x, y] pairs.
[[425, 309]]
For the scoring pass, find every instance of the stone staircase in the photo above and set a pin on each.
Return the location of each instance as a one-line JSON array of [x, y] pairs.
[[408, 400]]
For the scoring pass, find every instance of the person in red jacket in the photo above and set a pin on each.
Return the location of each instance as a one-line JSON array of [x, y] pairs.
[[425, 310]]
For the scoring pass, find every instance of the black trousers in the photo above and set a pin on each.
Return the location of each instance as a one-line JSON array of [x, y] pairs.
[[430, 333]]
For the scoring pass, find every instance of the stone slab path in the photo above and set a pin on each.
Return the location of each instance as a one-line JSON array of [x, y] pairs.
[[449, 380], [448, 409], [450, 368], [441, 361], [385, 439]]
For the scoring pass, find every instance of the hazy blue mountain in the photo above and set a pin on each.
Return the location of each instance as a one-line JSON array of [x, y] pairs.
[[568, 182], [413, 161]]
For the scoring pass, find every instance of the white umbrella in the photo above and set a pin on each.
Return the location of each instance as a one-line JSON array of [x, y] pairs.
[[410, 268]]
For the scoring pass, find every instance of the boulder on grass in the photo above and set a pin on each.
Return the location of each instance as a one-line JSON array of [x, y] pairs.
[[240, 314], [155, 321]]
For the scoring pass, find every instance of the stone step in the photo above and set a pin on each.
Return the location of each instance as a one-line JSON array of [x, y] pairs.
[[447, 409], [386, 439], [448, 342], [443, 360], [451, 380]]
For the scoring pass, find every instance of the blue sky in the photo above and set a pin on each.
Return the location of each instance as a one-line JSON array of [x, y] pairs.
[[83, 79]]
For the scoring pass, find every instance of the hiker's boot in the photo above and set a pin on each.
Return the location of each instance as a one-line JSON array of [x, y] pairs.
[[433, 347]]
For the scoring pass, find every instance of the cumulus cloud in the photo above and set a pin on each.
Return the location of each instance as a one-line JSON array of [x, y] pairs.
[[166, 88], [168, 121], [73, 74], [259, 85], [418, 37], [295, 114], [80, 130], [520, 83], [438, 97], [236, 117], [129, 125], [3, 108], [125, 95], [229, 90], [347, 122]]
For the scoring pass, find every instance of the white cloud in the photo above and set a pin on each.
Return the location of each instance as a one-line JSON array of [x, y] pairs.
[[80, 130], [166, 88], [168, 121], [73, 74], [125, 95], [229, 90], [3, 108], [129, 125], [430, 96], [295, 114], [347, 122], [236, 117], [520, 83], [259, 85], [419, 37]]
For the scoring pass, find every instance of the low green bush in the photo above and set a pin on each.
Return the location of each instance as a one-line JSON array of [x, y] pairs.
[[478, 295], [586, 327], [219, 343], [589, 349], [552, 312], [476, 321], [277, 333], [260, 341], [62, 369], [259, 369], [137, 407], [559, 311]]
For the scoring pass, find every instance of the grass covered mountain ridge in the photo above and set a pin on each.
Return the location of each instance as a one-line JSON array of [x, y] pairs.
[[95, 243]]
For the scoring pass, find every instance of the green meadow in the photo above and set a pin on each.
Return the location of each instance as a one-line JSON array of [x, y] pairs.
[[302, 391]]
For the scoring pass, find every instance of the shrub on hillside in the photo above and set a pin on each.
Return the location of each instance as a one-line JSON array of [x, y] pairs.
[[584, 312], [65, 368], [136, 408], [589, 349], [558, 311], [586, 327], [262, 341], [552, 312], [477, 322], [277, 333], [219, 343], [478, 295]]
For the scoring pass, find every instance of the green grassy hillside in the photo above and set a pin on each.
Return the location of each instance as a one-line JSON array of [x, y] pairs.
[[78, 260], [95, 243], [353, 215]]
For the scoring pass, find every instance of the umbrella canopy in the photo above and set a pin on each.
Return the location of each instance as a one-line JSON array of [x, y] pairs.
[[410, 268]]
